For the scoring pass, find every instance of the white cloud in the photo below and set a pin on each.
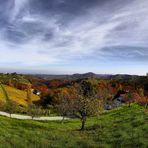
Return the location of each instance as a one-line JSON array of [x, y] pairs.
[[84, 36], [29, 19], [18, 6], [134, 25]]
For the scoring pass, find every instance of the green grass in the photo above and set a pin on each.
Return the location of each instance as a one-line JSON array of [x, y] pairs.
[[120, 128]]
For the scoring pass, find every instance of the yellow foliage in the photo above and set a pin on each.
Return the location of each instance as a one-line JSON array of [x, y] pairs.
[[2, 96], [19, 96]]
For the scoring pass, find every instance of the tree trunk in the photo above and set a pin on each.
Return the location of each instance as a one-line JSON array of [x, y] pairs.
[[63, 120], [129, 104], [146, 105], [83, 120]]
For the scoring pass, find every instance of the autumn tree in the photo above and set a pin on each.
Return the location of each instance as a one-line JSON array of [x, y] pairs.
[[64, 101], [84, 107], [143, 97], [64, 107], [34, 111], [86, 103], [129, 97], [10, 107]]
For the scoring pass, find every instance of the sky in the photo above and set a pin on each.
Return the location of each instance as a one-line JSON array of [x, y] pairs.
[[74, 36]]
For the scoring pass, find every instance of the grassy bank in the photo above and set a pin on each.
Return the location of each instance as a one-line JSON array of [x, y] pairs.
[[122, 127], [19, 96]]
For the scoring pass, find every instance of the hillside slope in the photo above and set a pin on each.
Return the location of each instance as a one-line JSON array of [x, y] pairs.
[[125, 127], [16, 95], [2, 95]]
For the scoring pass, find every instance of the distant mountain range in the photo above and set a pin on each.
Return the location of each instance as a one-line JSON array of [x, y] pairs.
[[84, 76]]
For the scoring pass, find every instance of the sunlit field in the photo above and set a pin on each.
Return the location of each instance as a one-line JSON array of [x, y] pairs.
[[122, 127]]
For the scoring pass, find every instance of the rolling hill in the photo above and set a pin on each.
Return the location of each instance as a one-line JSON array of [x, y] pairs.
[[19, 96]]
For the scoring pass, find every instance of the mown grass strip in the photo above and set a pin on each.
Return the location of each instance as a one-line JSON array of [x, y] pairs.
[[5, 93], [2, 96]]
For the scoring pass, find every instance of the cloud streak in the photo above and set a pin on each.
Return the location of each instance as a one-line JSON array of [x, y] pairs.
[[60, 32]]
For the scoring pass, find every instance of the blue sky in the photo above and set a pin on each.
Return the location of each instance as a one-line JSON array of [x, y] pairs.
[[74, 36]]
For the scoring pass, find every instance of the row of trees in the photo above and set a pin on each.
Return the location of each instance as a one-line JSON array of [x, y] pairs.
[[32, 110]]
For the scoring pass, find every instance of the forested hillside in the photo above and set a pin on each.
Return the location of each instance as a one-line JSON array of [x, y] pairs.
[[111, 92]]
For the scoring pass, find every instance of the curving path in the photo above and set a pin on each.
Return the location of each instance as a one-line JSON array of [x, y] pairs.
[[24, 117]]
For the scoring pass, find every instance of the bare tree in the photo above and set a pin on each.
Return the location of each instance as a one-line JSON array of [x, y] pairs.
[[34, 111], [10, 107], [63, 108]]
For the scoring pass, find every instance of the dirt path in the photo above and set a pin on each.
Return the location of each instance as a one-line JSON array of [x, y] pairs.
[[24, 117]]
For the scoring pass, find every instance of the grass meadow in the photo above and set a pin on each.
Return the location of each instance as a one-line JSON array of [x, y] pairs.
[[124, 127]]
